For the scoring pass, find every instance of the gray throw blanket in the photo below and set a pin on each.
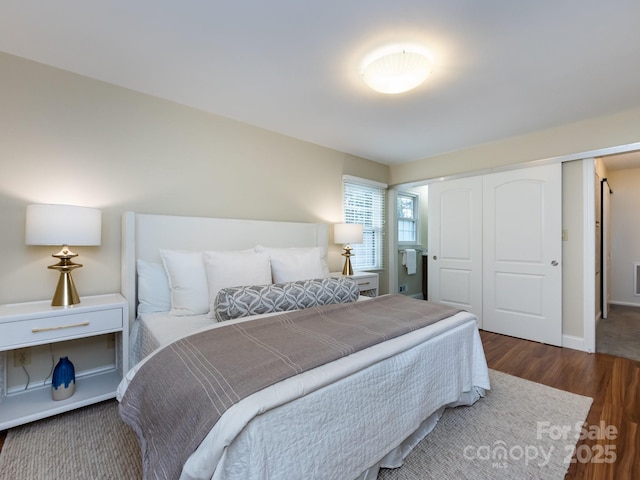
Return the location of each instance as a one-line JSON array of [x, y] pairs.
[[176, 397]]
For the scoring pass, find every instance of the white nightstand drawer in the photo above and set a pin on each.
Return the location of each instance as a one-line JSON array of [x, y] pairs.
[[55, 328], [367, 282]]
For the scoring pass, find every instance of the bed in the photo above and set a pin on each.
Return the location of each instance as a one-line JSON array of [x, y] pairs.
[[346, 418]]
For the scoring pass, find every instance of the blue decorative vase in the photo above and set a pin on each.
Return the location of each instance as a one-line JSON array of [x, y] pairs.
[[63, 383]]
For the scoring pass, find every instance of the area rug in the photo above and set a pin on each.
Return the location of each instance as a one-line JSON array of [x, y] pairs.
[[512, 433], [521, 429]]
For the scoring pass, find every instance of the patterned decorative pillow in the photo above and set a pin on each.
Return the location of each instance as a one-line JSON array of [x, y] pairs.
[[237, 302]]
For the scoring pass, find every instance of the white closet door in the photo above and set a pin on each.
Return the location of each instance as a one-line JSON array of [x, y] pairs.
[[522, 219], [455, 244]]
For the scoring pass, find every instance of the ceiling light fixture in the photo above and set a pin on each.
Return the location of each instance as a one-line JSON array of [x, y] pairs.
[[396, 68]]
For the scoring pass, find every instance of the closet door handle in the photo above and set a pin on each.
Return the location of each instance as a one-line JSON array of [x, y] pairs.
[[554, 263], [435, 257]]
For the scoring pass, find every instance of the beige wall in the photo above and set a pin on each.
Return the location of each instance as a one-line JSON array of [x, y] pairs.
[[70, 139], [610, 131], [625, 235], [573, 249], [73, 140]]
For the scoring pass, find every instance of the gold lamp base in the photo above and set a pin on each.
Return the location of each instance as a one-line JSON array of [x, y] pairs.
[[347, 270], [66, 293]]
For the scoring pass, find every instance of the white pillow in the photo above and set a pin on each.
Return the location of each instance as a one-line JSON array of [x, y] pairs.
[[188, 282], [235, 268], [296, 263], [154, 294]]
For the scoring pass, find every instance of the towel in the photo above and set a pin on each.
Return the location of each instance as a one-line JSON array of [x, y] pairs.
[[409, 260]]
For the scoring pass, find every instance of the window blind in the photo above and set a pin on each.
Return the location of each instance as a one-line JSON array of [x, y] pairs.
[[364, 202]]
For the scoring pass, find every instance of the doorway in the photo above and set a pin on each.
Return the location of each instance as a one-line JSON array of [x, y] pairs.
[[618, 308]]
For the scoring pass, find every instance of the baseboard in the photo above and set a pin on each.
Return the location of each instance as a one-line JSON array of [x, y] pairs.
[[573, 342], [625, 304], [417, 295]]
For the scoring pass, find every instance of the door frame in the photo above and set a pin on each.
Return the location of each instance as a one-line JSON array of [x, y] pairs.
[[605, 232], [588, 343], [392, 239]]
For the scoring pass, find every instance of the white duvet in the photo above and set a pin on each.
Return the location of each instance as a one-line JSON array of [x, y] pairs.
[[346, 419]]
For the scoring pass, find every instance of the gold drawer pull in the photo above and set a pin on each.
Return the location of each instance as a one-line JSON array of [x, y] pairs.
[[363, 284], [60, 327]]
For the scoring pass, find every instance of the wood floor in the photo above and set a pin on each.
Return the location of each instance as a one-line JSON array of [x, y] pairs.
[[612, 382]]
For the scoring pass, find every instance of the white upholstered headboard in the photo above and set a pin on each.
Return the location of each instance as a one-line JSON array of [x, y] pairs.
[[143, 235]]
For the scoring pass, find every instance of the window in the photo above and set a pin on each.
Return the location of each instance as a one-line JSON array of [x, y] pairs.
[[364, 204], [408, 218]]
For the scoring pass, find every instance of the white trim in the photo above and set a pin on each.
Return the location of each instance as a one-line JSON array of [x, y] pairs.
[[624, 304], [372, 197], [392, 241], [589, 255], [601, 152], [128, 255], [364, 181], [416, 217], [573, 342]]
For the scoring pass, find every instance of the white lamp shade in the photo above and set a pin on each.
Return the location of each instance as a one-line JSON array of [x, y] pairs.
[[347, 233], [63, 225]]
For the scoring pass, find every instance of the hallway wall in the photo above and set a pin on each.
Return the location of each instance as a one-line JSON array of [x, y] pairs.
[[625, 234]]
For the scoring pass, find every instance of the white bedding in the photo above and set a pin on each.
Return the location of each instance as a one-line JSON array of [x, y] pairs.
[[153, 330], [269, 434]]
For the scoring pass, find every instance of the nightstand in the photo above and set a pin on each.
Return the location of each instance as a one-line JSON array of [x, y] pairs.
[[367, 282], [37, 323]]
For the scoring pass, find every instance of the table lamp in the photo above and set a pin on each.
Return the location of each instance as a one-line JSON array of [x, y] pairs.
[[346, 234], [63, 225]]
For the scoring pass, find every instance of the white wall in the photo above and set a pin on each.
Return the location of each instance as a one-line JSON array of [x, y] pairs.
[[625, 234]]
